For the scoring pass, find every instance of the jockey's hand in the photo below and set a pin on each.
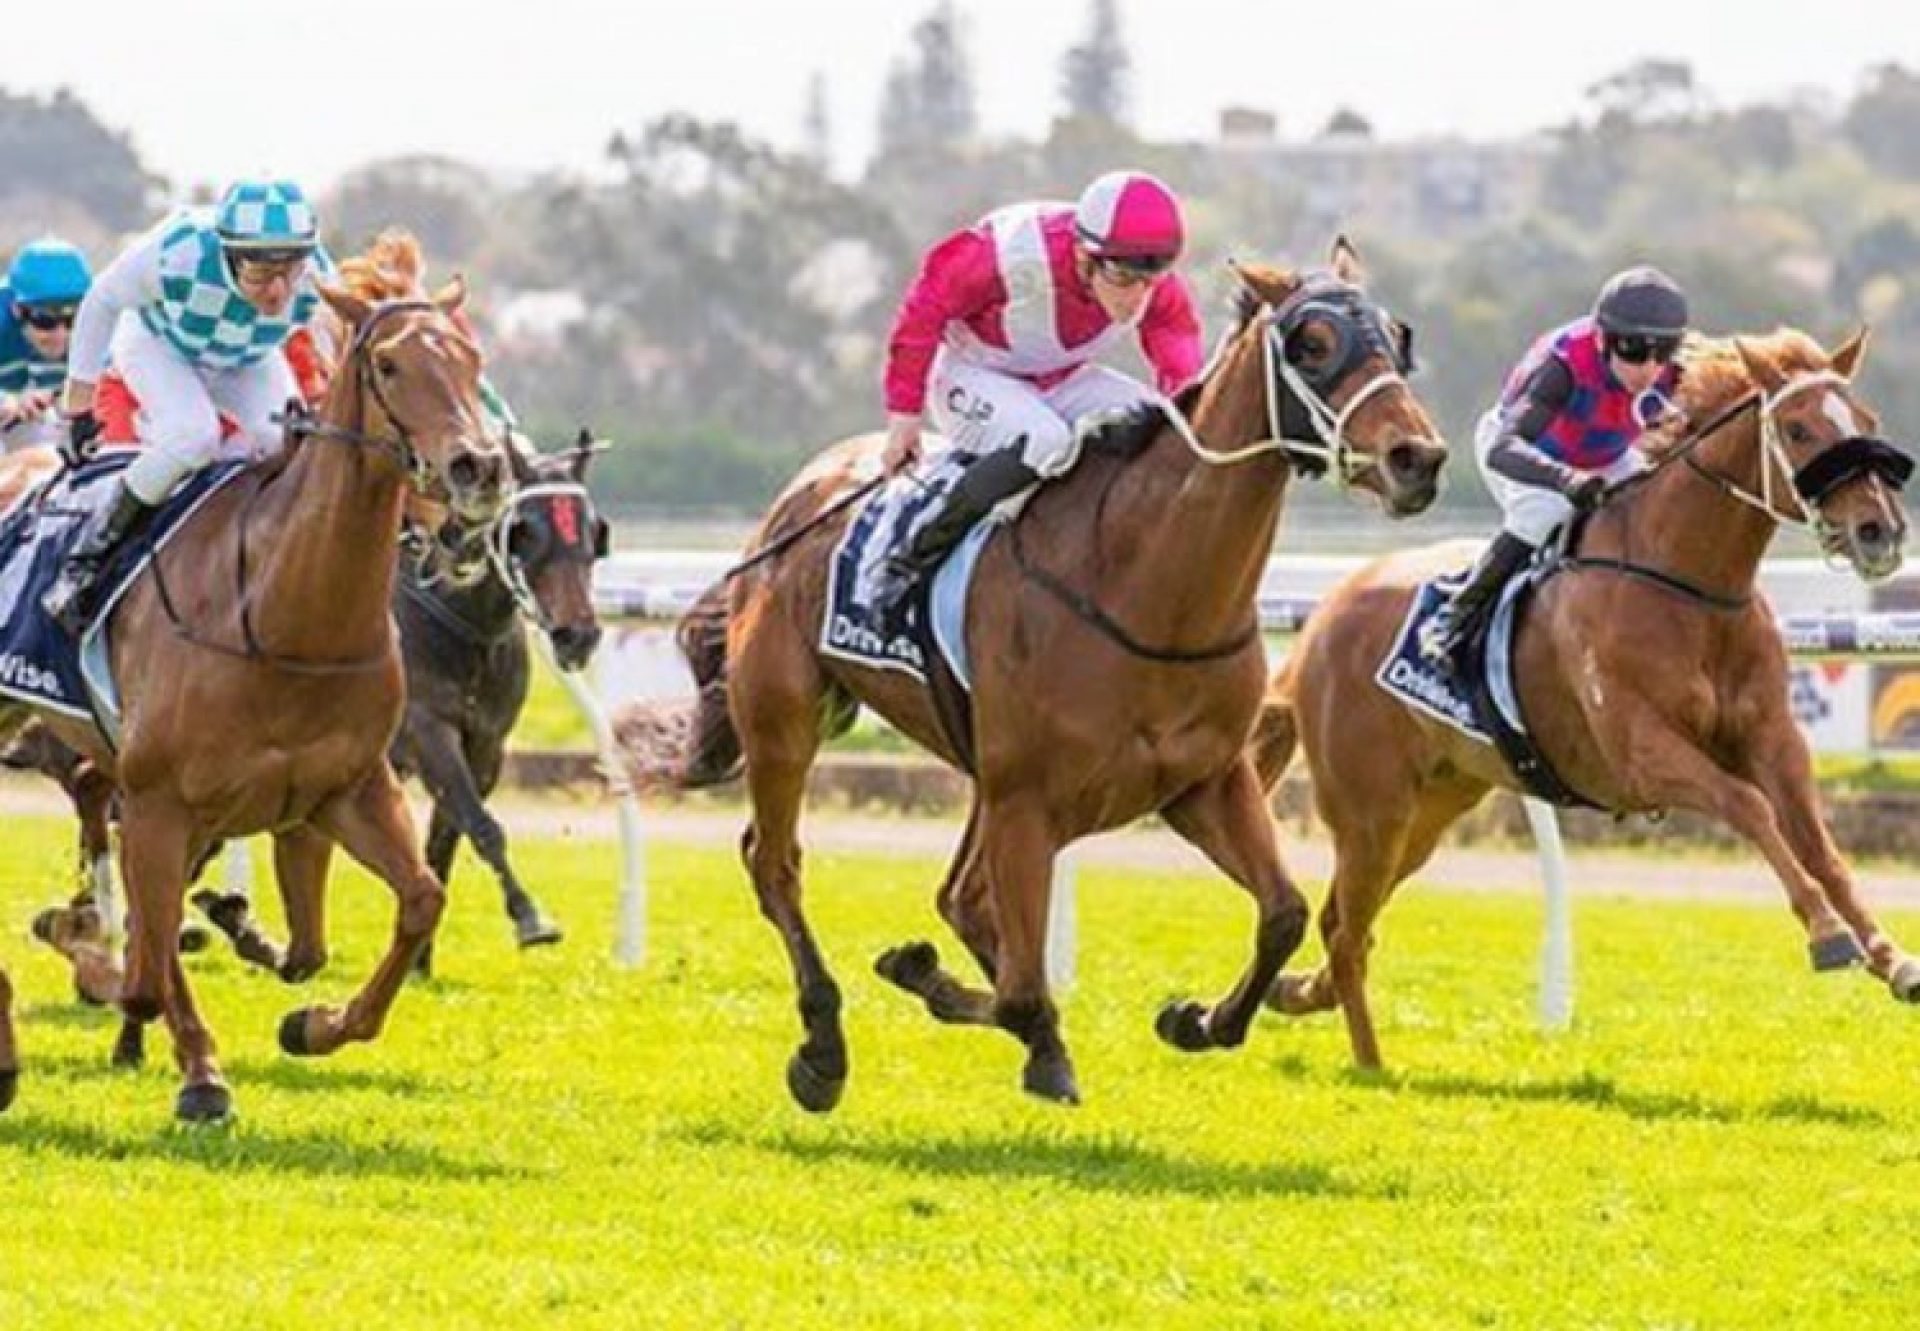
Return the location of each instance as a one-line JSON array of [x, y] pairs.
[[1586, 491], [903, 444], [78, 398], [18, 408], [76, 446]]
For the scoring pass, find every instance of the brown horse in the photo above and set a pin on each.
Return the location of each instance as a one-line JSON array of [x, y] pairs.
[[243, 709], [1117, 670], [1650, 674]]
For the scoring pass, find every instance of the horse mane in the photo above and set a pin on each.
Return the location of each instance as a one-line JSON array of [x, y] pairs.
[[1712, 375], [1126, 434], [391, 268]]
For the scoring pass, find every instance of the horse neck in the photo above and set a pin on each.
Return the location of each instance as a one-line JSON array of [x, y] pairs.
[[1686, 525], [1183, 544], [326, 535], [485, 605]]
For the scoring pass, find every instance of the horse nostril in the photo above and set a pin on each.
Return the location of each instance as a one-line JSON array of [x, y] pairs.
[[1870, 532], [464, 470]]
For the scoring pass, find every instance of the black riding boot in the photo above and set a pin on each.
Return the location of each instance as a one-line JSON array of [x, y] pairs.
[[994, 477], [1466, 614], [69, 599]]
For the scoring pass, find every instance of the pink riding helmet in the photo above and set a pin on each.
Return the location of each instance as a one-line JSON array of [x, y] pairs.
[[1130, 215]]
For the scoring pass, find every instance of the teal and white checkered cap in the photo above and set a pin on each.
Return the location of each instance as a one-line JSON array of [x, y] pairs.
[[265, 214]]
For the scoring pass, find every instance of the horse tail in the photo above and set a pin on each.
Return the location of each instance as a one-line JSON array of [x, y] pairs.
[[1276, 733], [680, 745]]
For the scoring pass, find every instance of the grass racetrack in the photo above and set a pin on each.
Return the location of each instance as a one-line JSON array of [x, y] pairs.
[[1724, 1140]]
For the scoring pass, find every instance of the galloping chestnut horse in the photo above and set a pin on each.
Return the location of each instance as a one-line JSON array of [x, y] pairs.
[[1117, 667], [246, 710], [1650, 675]]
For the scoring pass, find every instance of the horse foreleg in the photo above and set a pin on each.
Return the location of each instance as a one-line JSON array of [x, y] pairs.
[[1226, 817], [371, 823], [915, 967], [156, 848], [9, 1053], [301, 856], [1785, 776], [1016, 852], [1670, 771], [442, 760]]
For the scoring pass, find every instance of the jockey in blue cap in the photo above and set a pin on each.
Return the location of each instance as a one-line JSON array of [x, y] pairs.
[[213, 294], [43, 287]]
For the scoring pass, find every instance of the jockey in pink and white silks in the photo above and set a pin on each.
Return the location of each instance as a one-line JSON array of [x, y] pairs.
[[996, 341]]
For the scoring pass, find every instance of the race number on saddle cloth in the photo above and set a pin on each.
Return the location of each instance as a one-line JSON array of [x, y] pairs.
[[852, 628], [40, 663], [1477, 692]]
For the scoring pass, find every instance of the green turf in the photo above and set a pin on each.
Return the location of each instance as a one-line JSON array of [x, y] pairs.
[[1725, 1140]]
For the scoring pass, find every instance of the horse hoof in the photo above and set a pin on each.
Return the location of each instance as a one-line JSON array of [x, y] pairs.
[[1836, 952], [130, 1047], [292, 970], [193, 938], [9, 1087], [537, 933], [1050, 1077], [909, 966], [86, 996], [1905, 980], [813, 1090], [293, 1033], [1183, 1024], [45, 922], [203, 1102]]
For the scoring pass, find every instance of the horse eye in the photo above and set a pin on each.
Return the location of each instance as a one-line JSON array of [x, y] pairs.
[[520, 540], [1798, 433], [387, 367]]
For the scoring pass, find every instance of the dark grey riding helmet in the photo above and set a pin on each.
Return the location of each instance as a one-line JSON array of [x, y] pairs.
[[1641, 302]]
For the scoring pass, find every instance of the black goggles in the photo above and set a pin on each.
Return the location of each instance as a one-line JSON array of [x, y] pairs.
[[281, 258], [49, 316], [1635, 349]]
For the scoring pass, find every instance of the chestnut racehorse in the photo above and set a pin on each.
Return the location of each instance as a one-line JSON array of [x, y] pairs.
[[1650, 674], [260, 692], [1117, 669]]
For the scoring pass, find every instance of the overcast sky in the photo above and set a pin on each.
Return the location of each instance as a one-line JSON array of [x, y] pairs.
[[311, 88]]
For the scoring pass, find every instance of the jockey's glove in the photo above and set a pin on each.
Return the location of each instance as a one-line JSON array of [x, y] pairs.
[[1586, 491], [78, 444]]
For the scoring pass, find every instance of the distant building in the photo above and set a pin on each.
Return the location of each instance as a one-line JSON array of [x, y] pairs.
[[1438, 187]]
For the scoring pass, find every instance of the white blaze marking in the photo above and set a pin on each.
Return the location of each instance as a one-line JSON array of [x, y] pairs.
[[1840, 413]]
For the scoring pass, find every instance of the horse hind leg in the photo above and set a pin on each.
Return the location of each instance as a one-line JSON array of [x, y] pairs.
[[777, 692], [915, 967]]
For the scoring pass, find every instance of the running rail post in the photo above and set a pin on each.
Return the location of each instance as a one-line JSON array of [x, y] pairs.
[[1061, 923], [630, 918], [1556, 946]]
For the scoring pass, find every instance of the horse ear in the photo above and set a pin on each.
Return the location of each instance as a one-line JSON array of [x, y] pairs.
[[1270, 285], [1344, 259], [584, 448], [1764, 374], [352, 310], [1846, 357], [451, 296]]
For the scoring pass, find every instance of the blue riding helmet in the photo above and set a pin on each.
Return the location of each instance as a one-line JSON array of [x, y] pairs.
[[266, 219], [49, 272]]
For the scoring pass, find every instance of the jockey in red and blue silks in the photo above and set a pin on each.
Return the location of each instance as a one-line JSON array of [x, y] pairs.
[[996, 340], [1565, 427]]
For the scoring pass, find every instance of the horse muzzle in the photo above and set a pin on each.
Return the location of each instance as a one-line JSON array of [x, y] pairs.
[[1411, 469], [573, 645]]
